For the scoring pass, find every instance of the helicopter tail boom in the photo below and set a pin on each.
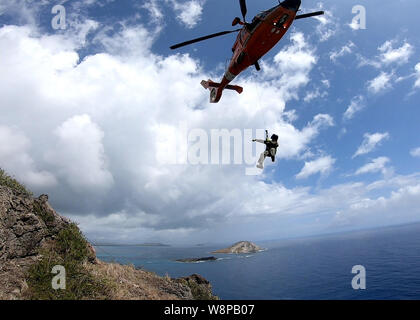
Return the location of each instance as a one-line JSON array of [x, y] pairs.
[[216, 89]]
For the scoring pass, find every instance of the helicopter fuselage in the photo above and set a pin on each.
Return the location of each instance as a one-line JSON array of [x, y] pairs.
[[254, 40]]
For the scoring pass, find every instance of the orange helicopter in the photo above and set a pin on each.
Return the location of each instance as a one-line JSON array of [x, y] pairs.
[[254, 40]]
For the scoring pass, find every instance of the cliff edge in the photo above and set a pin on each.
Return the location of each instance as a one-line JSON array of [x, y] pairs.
[[34, 238]]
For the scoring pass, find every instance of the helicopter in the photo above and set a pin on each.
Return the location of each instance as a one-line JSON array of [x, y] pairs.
[[254, 40]]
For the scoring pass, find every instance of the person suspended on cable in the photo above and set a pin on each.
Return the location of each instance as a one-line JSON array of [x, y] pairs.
[[271, 146]]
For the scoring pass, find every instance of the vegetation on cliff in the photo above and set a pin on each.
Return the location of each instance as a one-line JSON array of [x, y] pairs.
[[34, 238], [70, 250], [10, 182]]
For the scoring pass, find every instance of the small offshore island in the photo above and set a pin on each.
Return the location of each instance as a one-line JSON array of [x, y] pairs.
[[237, 248], [241, 247], [192, 260]]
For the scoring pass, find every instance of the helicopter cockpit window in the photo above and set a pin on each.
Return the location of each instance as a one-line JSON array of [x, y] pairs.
[[251, 26], [282, 20]]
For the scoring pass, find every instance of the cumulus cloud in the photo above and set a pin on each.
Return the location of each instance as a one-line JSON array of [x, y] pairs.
[[95, 139], [356, 105], [376, 165], [79, 155], [370, 142], [381, 83], [292, 66], [321, 165], [15, 157], [347, 205]]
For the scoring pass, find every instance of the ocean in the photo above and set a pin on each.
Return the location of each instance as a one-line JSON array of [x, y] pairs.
[[306, 268]]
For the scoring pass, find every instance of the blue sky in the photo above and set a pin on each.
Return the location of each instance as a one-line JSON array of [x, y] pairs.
[[83, 110]]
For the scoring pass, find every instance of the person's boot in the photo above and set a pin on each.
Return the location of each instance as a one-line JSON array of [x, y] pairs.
[[260, 163]]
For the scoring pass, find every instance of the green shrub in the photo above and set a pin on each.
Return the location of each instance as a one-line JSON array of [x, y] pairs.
[[72, 245], [46, 216], [12, 183], [199, 292], [70, 250]]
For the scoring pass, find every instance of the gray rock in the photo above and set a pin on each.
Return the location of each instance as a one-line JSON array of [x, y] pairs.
[[241, 247], [25, 224]]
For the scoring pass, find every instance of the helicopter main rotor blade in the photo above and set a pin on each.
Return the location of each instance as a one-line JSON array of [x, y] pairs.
[[307, 15], [218, 34], [243, 8]]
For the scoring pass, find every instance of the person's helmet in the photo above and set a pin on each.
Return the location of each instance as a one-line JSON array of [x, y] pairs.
[[274, 137]]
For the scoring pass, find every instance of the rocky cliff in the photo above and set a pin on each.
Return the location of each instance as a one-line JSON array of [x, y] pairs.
[[34, 238], [241, 247]]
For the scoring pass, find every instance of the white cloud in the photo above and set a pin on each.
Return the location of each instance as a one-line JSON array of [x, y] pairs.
[[353, 204], [382, 210], [328, 25], [388, 55], [297, 57], [376, 165], [97, 120], [380, 83], [15, 157], [345, 50], [154, 10], [326, 83], [398, 55], [127, 42], [354, 25], [317, 93], [79, 155], [188, 12], [356, 105], [370, 142], [321, 165], [417, 74], [294, 142], [291, 67], [415, 152]]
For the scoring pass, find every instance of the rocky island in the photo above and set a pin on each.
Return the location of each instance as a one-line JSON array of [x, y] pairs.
[[192, 260], [241, 247], [34, 239]]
